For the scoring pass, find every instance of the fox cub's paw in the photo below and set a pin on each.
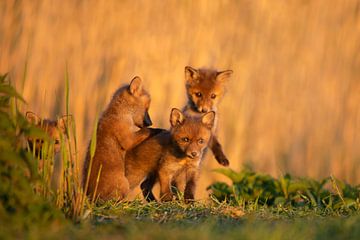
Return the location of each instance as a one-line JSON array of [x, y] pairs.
[[223, 161]]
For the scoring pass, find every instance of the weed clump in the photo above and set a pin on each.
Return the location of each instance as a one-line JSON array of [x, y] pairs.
[[261, 189], [20, 206]]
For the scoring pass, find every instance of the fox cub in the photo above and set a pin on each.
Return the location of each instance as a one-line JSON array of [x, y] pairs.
[[121, 127], [170, 153], [204, 89], [191, 135], [54, 128]]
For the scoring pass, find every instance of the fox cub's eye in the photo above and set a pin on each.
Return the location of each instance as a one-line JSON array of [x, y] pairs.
[[201, 141], [213, 96], [198, 94], [185, 139]]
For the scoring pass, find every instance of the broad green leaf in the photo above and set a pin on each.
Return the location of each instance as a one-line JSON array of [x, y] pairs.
[[234, 176], [297, 186], [10, 91]]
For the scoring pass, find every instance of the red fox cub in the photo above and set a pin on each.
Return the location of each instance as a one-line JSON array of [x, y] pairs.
[[170, 153], [205, 88], [54, 128], [191, 135], [121, 127]]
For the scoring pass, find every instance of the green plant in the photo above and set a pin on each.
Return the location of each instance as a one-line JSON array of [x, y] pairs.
[[251, 187], [20, 206]]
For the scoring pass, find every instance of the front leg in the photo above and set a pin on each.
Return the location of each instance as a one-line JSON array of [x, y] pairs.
[[142, 134], [165, 178], [191, 179], [178, 183], [134, 138], [216, 148]]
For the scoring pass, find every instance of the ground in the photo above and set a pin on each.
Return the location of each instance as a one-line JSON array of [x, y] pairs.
[[176, 220]]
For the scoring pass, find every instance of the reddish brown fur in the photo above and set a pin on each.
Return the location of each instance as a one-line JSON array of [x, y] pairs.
[[142, 161], [120, 128], [205, 88], [170, 153]]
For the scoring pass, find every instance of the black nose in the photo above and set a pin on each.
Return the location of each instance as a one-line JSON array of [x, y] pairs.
[[147, 120], [194, 154], [204, 110]]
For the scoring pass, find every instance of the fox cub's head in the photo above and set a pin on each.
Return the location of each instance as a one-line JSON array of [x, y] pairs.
[[140, 103], [205, 88], [191, 134], [52, 127]]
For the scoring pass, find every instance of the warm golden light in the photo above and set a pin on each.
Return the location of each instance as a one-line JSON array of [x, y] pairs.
[[292, 105]]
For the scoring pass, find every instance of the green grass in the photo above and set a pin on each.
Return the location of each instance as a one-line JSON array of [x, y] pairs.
[[209, 221], [206, 221], [254, 206]]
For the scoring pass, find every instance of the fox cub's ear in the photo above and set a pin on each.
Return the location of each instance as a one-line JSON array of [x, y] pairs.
[[32, 118], [176, 117], [63, 121], [224, 75], [191, 74], [208, 119], [136, 86]]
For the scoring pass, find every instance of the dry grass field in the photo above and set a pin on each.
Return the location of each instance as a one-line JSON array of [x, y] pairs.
[[292, 105]]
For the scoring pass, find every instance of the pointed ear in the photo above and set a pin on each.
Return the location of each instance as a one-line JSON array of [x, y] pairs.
[[191, 74], [208, 119], [32, 118], [63, 122], [136, 86], [176, 117], [224, 75]]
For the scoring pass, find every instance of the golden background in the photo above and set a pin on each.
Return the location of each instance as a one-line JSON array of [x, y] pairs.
[[292, 105]]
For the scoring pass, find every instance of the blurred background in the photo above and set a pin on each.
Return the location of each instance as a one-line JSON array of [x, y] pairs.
[[292, 105]]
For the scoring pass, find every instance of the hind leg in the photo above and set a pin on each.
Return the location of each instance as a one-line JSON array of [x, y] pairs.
[[110, 181], [111, 189], [147, 186], [122, 188]]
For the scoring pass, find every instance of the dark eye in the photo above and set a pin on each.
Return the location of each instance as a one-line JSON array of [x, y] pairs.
[[201, 141], [198, 94], [185, 139], [213, 96]]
